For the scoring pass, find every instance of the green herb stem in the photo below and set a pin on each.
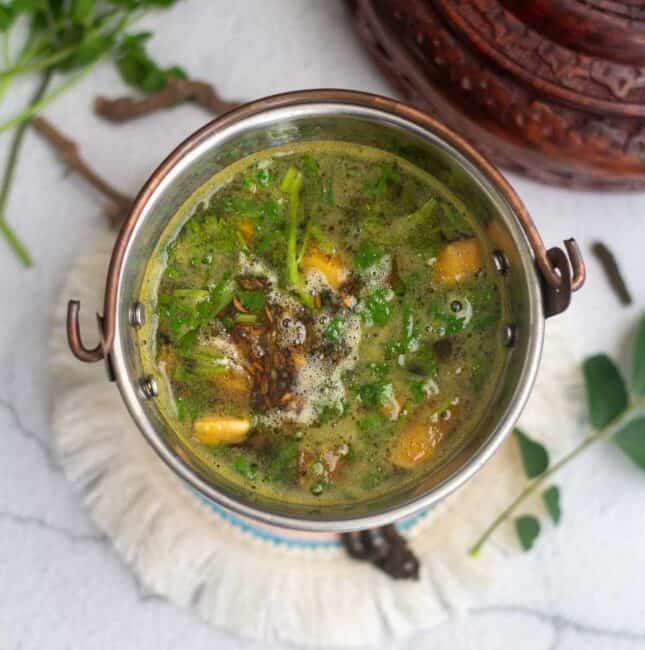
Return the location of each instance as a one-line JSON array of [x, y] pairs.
[[36, 106], [15, 243], [291, 184], [602, 434], [4, 83], [40, 64], [292, 256], [10, 236], [246, 318], [303, 246]]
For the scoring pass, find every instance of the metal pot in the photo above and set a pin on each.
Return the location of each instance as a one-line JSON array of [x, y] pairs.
[[539, 283]]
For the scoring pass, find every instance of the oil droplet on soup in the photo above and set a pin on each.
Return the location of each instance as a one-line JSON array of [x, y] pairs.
[[327, 323]]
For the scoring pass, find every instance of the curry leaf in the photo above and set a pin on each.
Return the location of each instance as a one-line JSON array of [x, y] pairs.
[[527, 528], [631, 439], [606, 392], [535, 457], [638, 363], [551, 498]]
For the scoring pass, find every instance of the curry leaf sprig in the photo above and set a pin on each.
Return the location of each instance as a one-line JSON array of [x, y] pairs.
[[62, 41], [616, 415]]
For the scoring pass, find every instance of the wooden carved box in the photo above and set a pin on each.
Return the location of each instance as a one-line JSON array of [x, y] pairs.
[[554, 89]]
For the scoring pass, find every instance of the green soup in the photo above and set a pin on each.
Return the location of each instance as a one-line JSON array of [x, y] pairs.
[[327, 323]]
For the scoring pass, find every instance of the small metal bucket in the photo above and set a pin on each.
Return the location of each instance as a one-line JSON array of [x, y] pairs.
[[539, 282]]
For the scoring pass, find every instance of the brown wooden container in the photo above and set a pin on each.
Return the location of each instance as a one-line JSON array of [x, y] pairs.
[[554, 89]]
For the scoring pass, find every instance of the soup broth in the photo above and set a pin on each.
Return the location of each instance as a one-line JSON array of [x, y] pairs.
[[327, 323]]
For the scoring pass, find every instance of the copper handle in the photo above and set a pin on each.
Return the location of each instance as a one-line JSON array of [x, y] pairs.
[[560, 273], [551, 271], [88, 355]]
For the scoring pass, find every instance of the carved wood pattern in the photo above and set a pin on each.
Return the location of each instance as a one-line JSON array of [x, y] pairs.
[[519, 124], [517, 46]]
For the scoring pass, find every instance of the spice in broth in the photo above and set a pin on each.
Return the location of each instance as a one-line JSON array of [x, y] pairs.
[[328, 323]]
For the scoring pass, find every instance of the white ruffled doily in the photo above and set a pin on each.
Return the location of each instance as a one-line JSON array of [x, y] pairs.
[[255, 584]]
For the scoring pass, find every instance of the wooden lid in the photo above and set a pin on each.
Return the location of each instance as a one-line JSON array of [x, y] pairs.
[[562, 48], [613, 31], [554, 89]]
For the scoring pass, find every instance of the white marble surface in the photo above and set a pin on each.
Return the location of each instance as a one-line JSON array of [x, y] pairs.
[[61, 585]]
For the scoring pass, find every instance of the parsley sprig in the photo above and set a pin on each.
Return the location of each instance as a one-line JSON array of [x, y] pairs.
[[62, 43]]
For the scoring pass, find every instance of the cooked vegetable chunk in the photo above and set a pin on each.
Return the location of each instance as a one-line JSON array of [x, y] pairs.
[[457, 261], [420, 437], [246, 229], [415, 443], [332, 267], [221, 429]]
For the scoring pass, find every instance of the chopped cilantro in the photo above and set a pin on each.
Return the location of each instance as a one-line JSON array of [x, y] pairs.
[[380, 180], [252, 300], [376, 393], [367, 255], [246, 469], [334, 330], [377, 309]]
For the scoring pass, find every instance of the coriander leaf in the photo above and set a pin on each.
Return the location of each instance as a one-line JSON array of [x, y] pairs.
[[246, 469], [7, 16], [380, 179], [91, 48], [606, 392], [535, 457], [138, 69], [377, 393], [252, 300], [527, 528], [367, 255], [221, 294], [375, 425], [377, 309], [334, 329], [638, 363], [631, 439], [82, 10], [551, 498]]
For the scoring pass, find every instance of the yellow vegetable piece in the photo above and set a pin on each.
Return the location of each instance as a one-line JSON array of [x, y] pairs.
[[421, 435], [416, 442], [246, 229], [331, 266], [457, 260], [221, 429]]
